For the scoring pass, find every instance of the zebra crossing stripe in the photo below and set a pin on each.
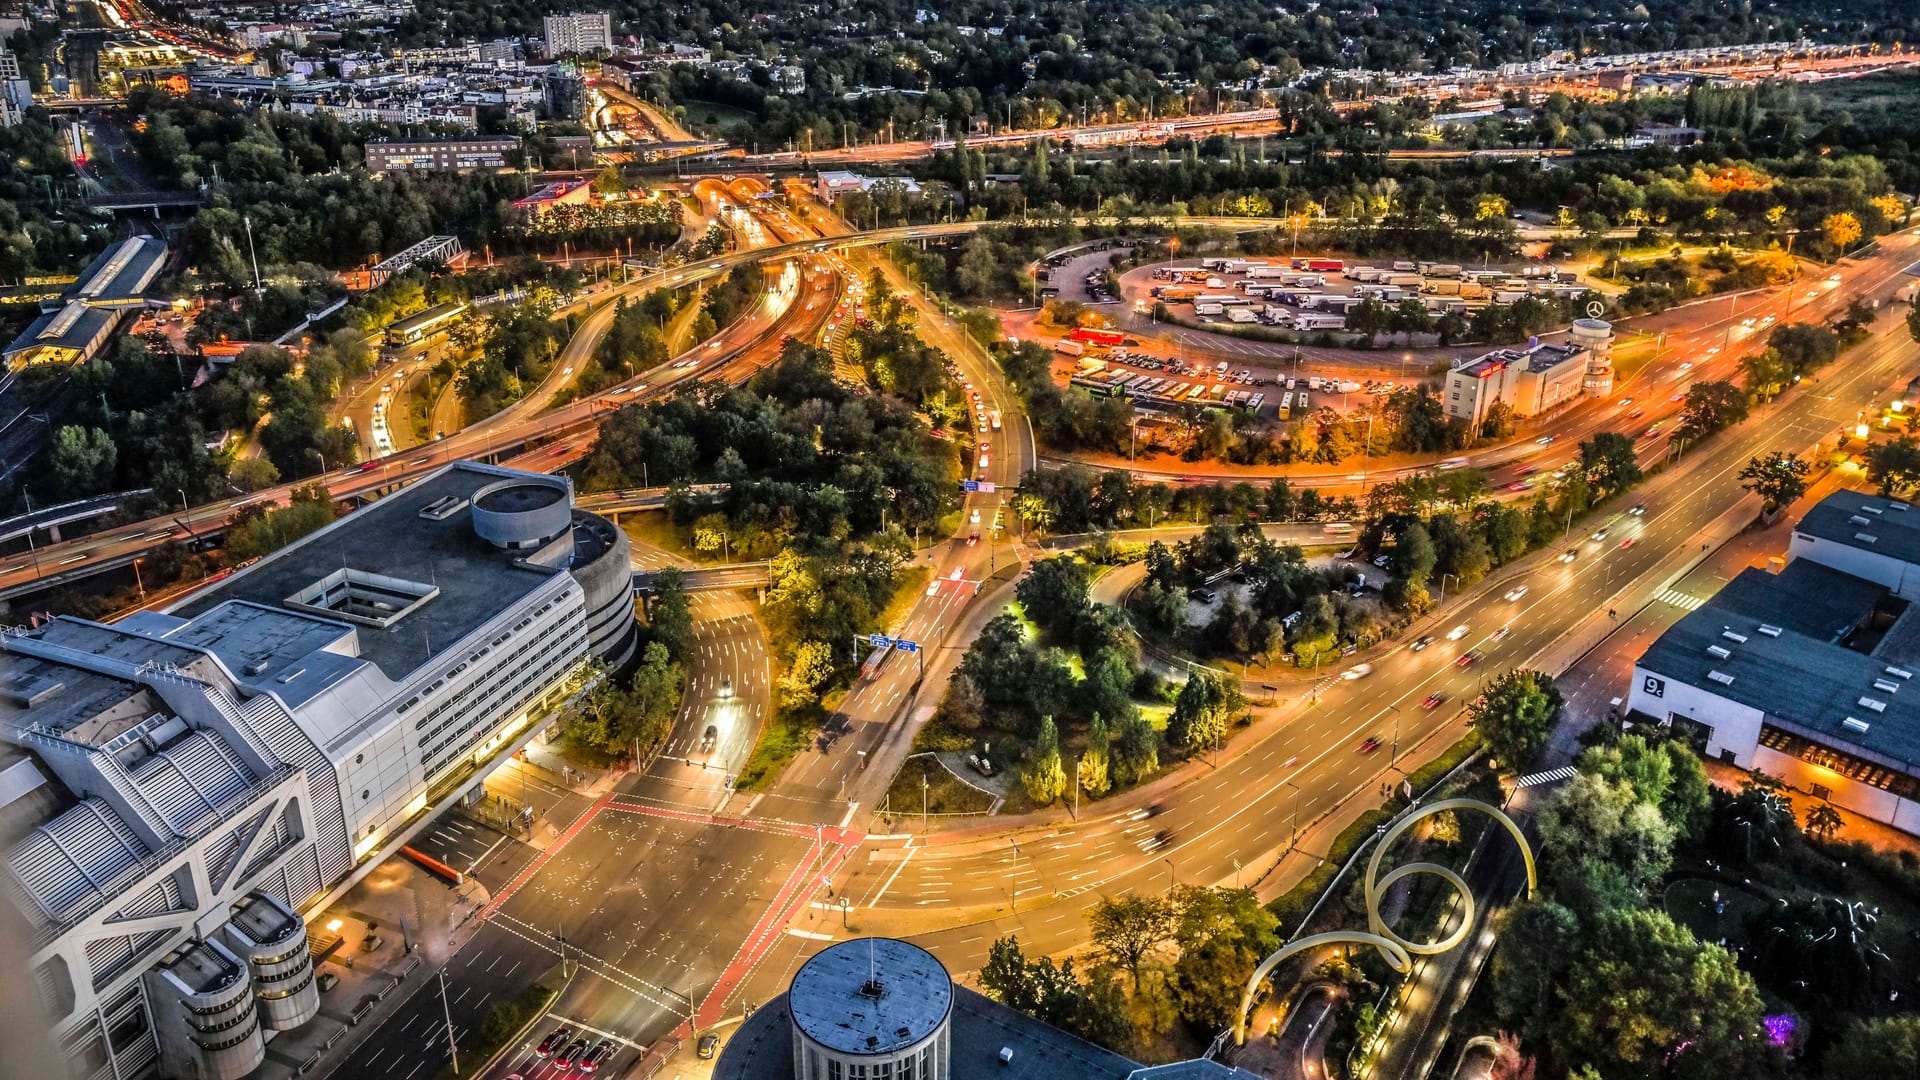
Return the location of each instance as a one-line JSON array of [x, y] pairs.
[[1680, 600]]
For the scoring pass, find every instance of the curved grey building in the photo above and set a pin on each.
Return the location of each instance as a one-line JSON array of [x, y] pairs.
[[876, 1008]]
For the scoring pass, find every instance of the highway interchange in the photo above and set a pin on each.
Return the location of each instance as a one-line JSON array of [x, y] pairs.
[[682, 902]]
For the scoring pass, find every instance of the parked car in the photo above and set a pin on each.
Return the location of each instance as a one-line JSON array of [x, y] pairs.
[[708, 1043]]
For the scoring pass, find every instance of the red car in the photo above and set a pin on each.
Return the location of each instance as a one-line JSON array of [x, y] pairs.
[[1370, 746], [1433, 701], [1467, 659], [1625, 544]]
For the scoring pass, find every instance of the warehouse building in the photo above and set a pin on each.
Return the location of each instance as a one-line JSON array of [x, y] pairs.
[[1533, 380], [77, 326], [1808, 674], [178, 789]]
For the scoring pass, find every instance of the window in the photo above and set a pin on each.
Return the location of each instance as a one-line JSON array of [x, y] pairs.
[[1820, 791]]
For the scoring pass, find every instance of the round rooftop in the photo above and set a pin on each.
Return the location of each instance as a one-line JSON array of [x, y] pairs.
[[870, 996], [522, 512], [1593, 326]]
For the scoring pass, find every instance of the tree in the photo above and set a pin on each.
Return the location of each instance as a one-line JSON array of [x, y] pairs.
[[1881, 1047], [1537, 939], [1054, 594], [812, 666], [1601, 846], [1136, 749], [1608, 462], [1222, 934], [1754, 825], [1095, 768], [1126, 928], [82, 461], [1710, 407], [1820, 951], [1822, 821], [1644, 997], [1894, 465], [1199, 718], [670, 615], [1842, 229], [1913, 321], [1778, 478], [1515, 716], [1044, 778]]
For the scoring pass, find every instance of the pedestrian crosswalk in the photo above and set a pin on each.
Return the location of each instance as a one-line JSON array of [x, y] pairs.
[[1680, 600]]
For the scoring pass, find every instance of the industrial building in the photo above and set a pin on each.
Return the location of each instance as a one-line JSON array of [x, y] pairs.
[[180, 788], [396, 155], [1534, 380], [885, 1009], [1808, 674], [77, 325]]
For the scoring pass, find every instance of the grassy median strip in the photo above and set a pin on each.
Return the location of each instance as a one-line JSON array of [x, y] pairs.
[[502, 1024]]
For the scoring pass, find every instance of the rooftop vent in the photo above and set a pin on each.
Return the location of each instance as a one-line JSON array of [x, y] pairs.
[[1769, 629], [1900, 506], [873, 988], [1858, 520], [258, 667], [1718, 652], [443, 508], [1885, 686], [1852, 724], [1872, 703], [1866, 538], [1872, 509], [1732, 636], [1720, 677], [1899, 673]]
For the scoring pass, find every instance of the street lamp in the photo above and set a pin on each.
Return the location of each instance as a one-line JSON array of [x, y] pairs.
[[1170, 878], [1293, 824], [1443, 585]]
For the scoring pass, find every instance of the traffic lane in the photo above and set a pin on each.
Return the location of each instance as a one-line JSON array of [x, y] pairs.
[[652, 906], [1406, 680], [458, 842], [412, 1045]]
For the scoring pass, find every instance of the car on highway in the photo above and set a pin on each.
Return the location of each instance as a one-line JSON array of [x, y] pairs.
[[1624, 402], [708, 1044], [1599, 535], [565, 1058], [1627, 543], [1433, 701], [1652, 430], [601, 1051], [975, 520], [726, 687], [1422, 643], [1501, 634], [1636, 414], [1370, 744], [1546, 440], [1639, 510], [973, 537], [1161, 840], [1570, 554], [1457, 632], [555, 1041], [1467, 659], [1516, 592], [1520, 485], [1528, 470], [1357, 671]]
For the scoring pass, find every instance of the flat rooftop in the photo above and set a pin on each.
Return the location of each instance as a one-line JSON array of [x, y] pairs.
[[262, 920], [201, 968], [1845, 517], [870, 995], [474, 581], [69, 702], [1808, 649], [762, 1047]]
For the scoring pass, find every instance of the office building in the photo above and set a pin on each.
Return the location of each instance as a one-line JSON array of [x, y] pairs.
[[16, 93], [396, 155], [1534, 380], [1808, 674], [75, 327], [584, 33], [178, 789], [885, 1009]]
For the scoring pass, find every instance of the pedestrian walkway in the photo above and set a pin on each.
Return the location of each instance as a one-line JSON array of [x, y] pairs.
[[1681, 600]]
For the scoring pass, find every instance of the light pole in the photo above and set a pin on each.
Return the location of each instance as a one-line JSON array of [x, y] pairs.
[[446, 1011], [1293, 823], [923, 804], [1443, 585], [1170, 874]]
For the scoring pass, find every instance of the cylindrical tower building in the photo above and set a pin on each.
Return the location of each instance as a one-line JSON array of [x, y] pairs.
[[1596, 337], [872, 1007]]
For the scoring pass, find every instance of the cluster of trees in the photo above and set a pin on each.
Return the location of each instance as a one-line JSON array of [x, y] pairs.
[[632, 716], [1078, 499], [255, 529], [635, 340], [1028, 687], [1270, 585], [1159, 962], [809, 463], [1594, 972], [517, 346]]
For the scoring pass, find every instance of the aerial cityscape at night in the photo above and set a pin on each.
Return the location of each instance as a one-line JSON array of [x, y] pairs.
[[868, 540]]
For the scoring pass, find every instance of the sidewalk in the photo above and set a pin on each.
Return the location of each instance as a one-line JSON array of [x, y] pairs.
[[414, 922]]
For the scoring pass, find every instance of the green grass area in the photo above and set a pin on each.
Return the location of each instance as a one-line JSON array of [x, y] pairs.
[[908, 586], [781, 740], [654, 529], [945, 793], [1691, 902], [502, 1024], [712, 118]]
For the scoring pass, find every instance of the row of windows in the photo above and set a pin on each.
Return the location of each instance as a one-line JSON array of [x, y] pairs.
[[238, 1018], [291, 990], [487, 691], [919, 1066], [235, 1041], [442, 680], [530, 683], [447, 705]]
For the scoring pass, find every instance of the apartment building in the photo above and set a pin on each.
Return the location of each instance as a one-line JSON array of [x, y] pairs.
[[582, 33]]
